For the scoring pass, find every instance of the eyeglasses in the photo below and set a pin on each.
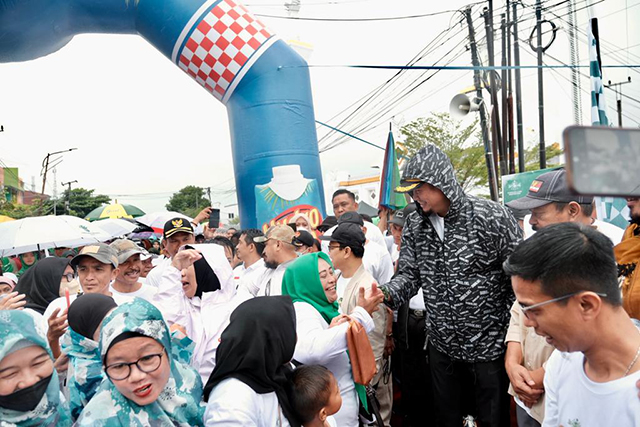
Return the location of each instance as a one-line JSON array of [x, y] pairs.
[[146, 364], [69, 276], [334, 247], [527, 308]]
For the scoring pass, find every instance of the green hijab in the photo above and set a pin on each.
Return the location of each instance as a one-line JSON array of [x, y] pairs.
[[301, 282], [26, 266]]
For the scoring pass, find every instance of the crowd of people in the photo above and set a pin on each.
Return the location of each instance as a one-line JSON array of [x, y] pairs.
[[451, 303]]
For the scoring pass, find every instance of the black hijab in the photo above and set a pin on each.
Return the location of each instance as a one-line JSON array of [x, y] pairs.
[[206, 278], [87, 312], [41, 283], [256, 348]]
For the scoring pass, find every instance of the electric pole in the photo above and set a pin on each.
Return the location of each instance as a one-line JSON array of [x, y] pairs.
[[503, 81], [543, 152], [488, 153], [47, 164], [616, 87], [495, 112], [68, 201], [516, 58]]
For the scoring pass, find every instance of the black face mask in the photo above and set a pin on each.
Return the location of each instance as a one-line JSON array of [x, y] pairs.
[[26, 399]]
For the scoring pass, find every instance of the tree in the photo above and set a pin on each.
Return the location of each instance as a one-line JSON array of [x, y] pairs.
[[188, 201], [81, 202], [463, 145], [16, 211]]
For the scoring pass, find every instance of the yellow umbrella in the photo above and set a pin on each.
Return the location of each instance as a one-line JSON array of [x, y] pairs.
[[115, 210], [4, 218]]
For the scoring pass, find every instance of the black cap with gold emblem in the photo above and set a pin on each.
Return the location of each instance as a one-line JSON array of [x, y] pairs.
[[177, 225]]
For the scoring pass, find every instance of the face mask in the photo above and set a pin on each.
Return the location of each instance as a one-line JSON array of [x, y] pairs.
[[26, 399]]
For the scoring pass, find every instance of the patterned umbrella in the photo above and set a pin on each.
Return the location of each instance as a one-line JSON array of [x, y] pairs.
[[115, 210]]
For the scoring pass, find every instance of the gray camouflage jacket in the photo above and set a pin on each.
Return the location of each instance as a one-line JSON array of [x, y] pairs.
[[466, 293]]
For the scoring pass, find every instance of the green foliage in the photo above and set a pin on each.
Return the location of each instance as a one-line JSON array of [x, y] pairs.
[[82, 202], [532, 156], [16, 211], [462, 144], [188, 201]]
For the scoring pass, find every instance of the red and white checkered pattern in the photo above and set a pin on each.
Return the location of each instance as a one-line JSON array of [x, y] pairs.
[[220, 45]]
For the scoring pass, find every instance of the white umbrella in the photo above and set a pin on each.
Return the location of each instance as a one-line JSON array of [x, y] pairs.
[[157, 220], [115, 227], [44, 232]]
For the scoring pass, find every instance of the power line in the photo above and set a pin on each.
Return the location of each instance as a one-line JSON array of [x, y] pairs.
[[390, 18]]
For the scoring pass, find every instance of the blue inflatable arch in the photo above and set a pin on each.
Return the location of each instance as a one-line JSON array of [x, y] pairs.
[[263, 83]]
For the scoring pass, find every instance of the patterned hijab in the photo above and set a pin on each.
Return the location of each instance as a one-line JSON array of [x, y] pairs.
[[52, 409], [180, 402]]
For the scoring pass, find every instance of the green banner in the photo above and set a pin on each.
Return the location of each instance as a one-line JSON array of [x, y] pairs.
[[11, 178], [517, 185]]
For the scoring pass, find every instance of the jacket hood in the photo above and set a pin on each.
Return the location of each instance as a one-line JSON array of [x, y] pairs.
[[432, 166]]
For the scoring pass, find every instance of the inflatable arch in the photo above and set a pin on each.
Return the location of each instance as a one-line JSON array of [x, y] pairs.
[[219, 43]]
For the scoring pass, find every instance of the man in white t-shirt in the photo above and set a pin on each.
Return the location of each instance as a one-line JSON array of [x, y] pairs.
[[247, 274], [127, 285], [343, 201], [565, 280], [97, 267], [279, 252]]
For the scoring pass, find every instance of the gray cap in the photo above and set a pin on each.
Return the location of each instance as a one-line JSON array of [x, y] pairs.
[[99, 251], [548, 188], [125, 249], [400, 216]]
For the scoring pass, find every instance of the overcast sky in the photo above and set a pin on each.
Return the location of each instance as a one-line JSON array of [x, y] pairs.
[[144, 129]]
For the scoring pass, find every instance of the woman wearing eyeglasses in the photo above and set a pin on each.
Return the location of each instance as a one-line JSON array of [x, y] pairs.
[[146, 384]]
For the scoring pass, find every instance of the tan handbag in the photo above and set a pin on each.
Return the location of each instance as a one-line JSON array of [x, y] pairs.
[[363, 363]]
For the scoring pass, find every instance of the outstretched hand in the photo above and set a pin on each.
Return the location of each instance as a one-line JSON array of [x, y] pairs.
[[370, 299], [185, 258], [13, 301]]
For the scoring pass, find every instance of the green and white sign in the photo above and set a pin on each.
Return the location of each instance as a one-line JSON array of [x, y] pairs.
[[517, 185]]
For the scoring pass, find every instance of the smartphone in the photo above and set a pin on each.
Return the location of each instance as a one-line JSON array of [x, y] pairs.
[[603, 161], [214, 218]]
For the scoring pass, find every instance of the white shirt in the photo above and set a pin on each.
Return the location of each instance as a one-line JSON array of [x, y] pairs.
[[319, 345], [572, 399], [248, 278], [155, 275], [271, 280], [377, 262], [417, 302], [145, 292], [232, 403], [373, 234], [438, 223], [204, 318], [341, 286]]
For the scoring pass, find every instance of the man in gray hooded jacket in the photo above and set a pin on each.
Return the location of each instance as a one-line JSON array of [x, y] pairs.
[[453, 247]]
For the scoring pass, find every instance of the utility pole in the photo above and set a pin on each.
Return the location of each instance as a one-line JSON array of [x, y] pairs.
[[503, 81], [495, 114], [488, 153], [55, 191], [616, 87], [209, 195], [47, 164], [509, 118], [68, 201], [516, 58], [575, 61], [543, 152]]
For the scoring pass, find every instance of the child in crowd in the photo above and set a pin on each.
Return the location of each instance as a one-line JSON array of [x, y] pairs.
[[315, 396]]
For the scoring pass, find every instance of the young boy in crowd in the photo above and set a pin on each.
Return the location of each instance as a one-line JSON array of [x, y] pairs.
[[315, 396]]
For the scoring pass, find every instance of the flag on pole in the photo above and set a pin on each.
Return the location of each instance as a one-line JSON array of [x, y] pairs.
[[390, 178], [598, 105]]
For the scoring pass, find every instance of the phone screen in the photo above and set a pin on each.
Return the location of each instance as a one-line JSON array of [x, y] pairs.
[[603, 161], [214, 218]]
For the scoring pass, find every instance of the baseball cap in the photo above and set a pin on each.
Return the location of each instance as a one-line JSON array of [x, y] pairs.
[[125, 249], [347, 234], [99, 251], [548, 188], [328, 222], [409, 184], [283, 233], [351, 218], [400, 216], [303, 237], [177, 225]]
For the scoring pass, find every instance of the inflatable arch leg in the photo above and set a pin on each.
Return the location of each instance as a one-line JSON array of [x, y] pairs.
[[261, 80]]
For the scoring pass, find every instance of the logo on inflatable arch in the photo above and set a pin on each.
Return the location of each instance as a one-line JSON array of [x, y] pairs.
[[311, 211]]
